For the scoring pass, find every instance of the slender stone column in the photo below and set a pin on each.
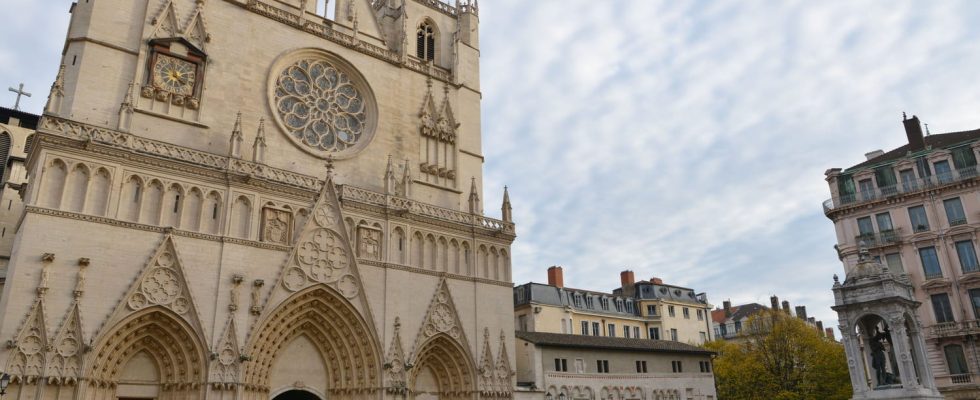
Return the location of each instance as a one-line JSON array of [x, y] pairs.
[[899, 343], [855, 364]]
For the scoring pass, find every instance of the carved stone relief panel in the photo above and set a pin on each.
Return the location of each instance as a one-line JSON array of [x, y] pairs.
[[277, 226], [369, 243]]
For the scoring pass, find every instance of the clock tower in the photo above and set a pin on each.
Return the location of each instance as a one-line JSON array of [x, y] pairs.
[[261, 199]]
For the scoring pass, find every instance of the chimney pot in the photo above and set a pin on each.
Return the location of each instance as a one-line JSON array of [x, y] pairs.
[[830, 333], [820, 326], [627, 279], [657, 281], [556, 277], [801, 312], [913, 131]]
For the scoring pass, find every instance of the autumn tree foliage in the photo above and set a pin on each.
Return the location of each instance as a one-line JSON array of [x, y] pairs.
[[781, 358]]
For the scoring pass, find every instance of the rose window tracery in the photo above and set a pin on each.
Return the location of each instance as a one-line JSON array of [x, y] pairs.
[[320, 106]]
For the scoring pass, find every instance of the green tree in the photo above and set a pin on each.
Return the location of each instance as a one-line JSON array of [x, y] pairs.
[[782, 358]]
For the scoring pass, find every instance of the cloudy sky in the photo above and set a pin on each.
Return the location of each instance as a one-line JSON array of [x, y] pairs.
[[681, 139]]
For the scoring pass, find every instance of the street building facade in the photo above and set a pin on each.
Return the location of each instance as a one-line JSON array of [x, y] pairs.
[[916, 209]]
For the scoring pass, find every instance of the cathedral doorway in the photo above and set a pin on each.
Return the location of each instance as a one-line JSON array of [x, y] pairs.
[[296, 395], [442, 370]]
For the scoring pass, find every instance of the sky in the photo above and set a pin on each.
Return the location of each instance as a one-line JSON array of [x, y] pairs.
[[685, 140]]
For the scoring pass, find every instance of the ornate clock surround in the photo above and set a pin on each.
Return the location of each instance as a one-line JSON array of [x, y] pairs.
[[160, 51]]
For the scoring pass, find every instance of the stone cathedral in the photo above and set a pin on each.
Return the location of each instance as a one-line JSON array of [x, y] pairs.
[[260, 199]]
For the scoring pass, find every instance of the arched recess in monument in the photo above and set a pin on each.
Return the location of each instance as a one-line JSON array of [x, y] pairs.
[[296, 395], [878, 342], [151, 354], [442, 370], [318, 320]]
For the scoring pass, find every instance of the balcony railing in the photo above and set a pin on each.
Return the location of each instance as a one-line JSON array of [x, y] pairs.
[[904, 187], [883, 238], [954, 379], [954, 329]]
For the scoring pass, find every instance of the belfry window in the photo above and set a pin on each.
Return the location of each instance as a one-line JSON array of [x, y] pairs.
[[426, 42]]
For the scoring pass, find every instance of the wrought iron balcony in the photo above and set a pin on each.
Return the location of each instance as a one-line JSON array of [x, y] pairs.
[[901, 188], [954, 379], [880, 239]]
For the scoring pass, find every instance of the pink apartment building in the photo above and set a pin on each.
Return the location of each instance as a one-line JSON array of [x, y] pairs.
[[916, 208]]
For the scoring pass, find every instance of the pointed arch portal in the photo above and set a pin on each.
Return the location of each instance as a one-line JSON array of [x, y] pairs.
[[442, 370], [296, 395]]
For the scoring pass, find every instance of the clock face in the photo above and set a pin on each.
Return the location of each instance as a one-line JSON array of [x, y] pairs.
[[174, 75]]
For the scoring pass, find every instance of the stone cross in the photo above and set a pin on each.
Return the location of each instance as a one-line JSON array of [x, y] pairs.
[[20, 92]]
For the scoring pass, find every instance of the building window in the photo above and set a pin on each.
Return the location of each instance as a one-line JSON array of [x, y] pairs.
[[908, 180], [894, 262], [619, 305], [522, 323], [954, 211], [655, 333], [626, 332], [651, 310], [585, 328], [942, 308], [955, 360], [604, 302], [561, 365], [589, 302], [700, 315], [704, 337], [677, 366], [577, 299], [884, 222], [612, 330], [563, 326], [917, 216], [867, 188], [670, 311], [687, 313], [636, 332], [967, 255], [705, 366], [602, 366], [641, 367], [426, 42], [943, 172], [673, 334], [866, 228], [738, 326], [975, 300], [930, 262], [595, 329]]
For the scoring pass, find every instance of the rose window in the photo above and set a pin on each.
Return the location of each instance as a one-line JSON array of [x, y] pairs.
[[320, 106]]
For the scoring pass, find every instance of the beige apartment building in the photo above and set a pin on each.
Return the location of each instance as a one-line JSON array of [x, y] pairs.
[[916, 209], [639, 341], [253, 200], [635, 310]]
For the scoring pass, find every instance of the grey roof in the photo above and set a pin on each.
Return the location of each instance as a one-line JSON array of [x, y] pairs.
[[609, 343], [938, 141]]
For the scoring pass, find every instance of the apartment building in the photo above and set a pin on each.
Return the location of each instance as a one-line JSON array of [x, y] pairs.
[[728, 321], [916, 209], [636, 310]]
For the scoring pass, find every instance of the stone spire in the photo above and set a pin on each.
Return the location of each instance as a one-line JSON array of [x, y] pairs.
[[236, 138], [407, 179], [505, 210], [391, 184], [58, 93], [126, 110], [258, 148], [474, 199]]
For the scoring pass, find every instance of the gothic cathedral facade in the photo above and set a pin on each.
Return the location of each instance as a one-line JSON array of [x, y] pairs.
[[260, 199]]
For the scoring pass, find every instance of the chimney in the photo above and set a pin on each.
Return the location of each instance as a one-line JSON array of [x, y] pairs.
[[913, 130], [830, 333], [555, 277], [801, 312], [775, 303], [874, 154], [627, 279], [786, 307], [728, 308], [656, 281], [812, 321]]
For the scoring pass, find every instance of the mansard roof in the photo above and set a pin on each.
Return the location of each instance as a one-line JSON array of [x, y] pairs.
[[933, 142], [609, 343]]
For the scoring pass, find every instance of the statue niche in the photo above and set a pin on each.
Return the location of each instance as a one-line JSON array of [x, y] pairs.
[[879, 345]]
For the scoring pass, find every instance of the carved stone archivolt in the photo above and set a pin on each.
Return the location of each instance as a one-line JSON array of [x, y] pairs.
[[323, 315], [442, 348]]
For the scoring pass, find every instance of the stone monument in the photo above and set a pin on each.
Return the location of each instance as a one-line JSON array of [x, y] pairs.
[[881, 334]]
